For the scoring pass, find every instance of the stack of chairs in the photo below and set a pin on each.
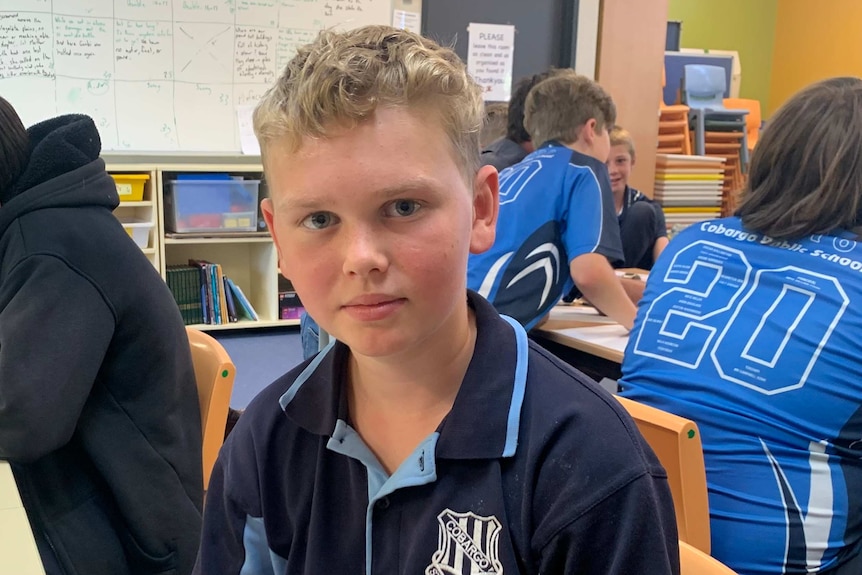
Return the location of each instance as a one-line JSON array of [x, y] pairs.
[[752, 121], [718, 131], [674, 136]]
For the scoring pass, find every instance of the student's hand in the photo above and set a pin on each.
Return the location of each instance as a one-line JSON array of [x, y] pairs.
[[634, 288], [597, 280]]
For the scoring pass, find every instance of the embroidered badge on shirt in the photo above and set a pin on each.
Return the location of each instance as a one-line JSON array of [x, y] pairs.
[[468, 544]]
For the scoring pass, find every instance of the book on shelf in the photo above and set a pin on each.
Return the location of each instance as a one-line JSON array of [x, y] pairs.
[[247, 309], [229, 299], [184, 283], [205, 295], [205, 291]]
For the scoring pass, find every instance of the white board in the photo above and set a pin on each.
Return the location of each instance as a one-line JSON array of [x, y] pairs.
[[159, 75]]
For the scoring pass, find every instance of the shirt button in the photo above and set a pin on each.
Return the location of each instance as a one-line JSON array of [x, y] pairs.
[[382, 503]]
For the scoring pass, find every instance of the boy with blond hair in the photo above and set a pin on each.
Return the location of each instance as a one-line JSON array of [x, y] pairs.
[[430, 436], [557, 228], [642, 225]]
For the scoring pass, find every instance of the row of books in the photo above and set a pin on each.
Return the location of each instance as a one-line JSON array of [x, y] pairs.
[[205, 295]]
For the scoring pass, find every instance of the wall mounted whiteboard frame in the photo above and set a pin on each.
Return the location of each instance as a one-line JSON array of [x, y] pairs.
[[158, 75]]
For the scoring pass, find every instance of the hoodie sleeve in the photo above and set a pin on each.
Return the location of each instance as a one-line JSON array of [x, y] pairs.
[[55, 328]]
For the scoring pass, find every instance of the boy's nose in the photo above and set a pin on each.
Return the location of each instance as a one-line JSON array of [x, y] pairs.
[[364, 252]]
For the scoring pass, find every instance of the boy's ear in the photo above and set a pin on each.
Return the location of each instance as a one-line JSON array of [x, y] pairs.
[[486, 206], [268, 211], [589, 131]]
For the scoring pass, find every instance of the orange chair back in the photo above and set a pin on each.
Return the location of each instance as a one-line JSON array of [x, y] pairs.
[[676, 442], [752, 120], [214, 374], [693, 561]]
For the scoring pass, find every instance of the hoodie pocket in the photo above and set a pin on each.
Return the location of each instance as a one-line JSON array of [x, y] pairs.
[[85, 541], [142, 561], [90, 540]]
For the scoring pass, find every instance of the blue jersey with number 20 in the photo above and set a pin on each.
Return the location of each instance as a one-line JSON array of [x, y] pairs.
[[760, 343]]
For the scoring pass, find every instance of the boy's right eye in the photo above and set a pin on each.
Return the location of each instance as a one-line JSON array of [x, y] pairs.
[[318, 220]]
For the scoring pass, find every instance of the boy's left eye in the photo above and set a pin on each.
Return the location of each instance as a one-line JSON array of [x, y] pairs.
[[402, 208]]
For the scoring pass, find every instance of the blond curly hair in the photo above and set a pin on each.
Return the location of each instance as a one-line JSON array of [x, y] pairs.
[[341, 78]]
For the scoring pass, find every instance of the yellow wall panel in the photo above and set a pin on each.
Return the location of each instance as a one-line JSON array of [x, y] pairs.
[[813, 41]]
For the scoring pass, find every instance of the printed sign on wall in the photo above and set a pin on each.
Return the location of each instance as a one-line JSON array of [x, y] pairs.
[[489, 59]]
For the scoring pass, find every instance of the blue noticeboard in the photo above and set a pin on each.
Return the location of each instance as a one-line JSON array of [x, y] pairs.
[[674, 66]]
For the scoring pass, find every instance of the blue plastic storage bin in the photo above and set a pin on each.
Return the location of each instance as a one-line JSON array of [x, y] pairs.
[[196, 206]]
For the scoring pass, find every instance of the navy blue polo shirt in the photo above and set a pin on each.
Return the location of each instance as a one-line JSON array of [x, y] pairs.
[[534, 470], [502, 153]]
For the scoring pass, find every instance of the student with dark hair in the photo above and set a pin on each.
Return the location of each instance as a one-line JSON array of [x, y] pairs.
[[99, 415], [750, 326], [14, 144], [517, 143]]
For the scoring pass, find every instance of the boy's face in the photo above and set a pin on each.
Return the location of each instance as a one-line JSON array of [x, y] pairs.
[[619, 167], [373, 227]]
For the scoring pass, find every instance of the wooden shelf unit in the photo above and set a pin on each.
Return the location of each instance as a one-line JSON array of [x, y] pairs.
[[249, 260]]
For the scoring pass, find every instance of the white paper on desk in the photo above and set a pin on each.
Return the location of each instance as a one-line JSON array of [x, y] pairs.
[[579, 313], [611, 336], [247, 141]]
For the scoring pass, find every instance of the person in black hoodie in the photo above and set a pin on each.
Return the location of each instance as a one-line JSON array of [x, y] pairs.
[[99, 415]]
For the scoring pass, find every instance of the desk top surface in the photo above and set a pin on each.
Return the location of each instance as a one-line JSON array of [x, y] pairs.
[[605, 339], [584, 328]]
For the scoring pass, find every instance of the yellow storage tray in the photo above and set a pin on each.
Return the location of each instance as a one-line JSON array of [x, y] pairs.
[[130, 187]]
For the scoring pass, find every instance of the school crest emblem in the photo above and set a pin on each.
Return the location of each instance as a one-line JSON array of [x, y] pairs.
[[467, 544]]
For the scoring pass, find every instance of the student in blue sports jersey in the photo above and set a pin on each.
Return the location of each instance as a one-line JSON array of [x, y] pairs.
[[750, 327], [431, 437], [557, 226]]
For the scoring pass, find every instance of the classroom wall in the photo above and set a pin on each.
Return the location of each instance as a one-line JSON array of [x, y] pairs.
[[540, 29], [813, 41], [747, 26], [631, 56], [410, 5]]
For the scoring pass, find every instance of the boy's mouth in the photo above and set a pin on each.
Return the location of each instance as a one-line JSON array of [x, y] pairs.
[[373, 307], [371, 300]]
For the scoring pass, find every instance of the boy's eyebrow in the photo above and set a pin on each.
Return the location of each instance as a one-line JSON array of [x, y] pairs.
[[314, 201], [415, 184]]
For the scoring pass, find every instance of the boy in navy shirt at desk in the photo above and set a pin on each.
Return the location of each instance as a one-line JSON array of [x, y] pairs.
[[642, 224], [558, 229], [431, 436]]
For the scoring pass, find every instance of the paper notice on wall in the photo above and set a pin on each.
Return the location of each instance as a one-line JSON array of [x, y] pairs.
[[247, 140], [489, 59], [407, 20]]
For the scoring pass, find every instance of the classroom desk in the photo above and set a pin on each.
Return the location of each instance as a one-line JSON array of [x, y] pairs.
[[589, 352], [586, 339], [556, 330]]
